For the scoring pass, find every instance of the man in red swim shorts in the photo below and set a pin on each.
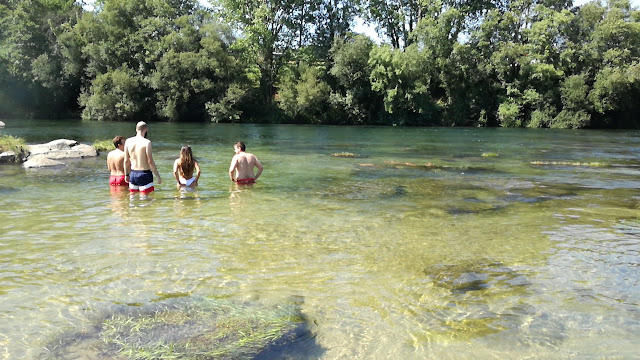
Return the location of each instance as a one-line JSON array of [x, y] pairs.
[[115, 163], [242, 164]]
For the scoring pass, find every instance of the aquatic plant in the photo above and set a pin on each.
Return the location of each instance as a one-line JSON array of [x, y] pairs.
[[201, 328], [345, 154], [10, 143], [489, 154], [569, 163]]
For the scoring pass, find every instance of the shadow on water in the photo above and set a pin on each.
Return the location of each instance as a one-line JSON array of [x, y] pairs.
[[180, 327]]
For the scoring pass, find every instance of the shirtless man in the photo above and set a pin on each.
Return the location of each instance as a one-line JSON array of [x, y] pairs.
[[242, 164], [115, 163], [138, 159]]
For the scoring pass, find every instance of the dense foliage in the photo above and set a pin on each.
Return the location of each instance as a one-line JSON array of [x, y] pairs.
[[512, 63]]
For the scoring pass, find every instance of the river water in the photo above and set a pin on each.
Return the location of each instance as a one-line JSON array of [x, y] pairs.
[[416, 247]]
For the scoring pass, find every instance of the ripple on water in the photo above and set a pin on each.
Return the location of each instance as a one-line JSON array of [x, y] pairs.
[[480, 299]]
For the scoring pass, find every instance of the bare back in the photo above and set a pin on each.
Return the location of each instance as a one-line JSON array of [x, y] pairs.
[[138, 150], [243, 163], [115, 162]]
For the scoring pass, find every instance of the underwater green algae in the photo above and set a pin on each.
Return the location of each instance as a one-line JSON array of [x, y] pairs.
[[178, 329]]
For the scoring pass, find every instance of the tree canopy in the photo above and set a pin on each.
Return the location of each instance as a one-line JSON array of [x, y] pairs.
[[511, 63]]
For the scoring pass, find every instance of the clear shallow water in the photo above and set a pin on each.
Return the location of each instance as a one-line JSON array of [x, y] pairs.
[[417, 248]]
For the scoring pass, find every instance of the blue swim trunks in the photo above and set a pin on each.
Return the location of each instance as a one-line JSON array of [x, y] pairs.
[[141, 180]]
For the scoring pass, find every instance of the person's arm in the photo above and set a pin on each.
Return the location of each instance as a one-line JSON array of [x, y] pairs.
[[232, 168], [127, 163], [175, 171], [152, 164], [259, 166], [108, 163], [197, 172]]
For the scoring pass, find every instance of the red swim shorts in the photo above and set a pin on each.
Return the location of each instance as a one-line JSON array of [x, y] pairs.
[[245, 181], [117, 180]]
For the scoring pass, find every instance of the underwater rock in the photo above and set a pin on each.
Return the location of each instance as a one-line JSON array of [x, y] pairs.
[[6, 189], [471, 277], [185, 328], [480, 298], [40, 162], [474, 208]]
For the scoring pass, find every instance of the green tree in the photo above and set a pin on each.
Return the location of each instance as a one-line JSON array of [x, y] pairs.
[[352, 98], [333, 20], [170, 58], [264, 26], [399, 77], [31, 57], [303, 95], [114, 95]]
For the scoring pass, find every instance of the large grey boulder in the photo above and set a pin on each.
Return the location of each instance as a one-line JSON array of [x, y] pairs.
[[46, 155], [62, 149], [1, 124], [40, 161]]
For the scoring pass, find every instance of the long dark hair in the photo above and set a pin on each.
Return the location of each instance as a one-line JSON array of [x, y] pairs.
[[187, 162]]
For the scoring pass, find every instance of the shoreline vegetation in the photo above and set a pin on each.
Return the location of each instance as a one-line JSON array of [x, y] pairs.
[[445, 63], [103, 146], [13, 144]]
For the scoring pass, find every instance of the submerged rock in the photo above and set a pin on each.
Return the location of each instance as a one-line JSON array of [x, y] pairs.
[[41, 161], [185, 328], [477, 276], [483, 299]]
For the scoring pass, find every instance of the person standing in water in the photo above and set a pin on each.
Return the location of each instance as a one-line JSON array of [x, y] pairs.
[[139, 159], [242, 164], [186, 169], [115, 163]]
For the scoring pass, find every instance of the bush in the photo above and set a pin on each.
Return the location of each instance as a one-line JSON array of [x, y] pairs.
[[10, 143], [103, 145], [509, 114]]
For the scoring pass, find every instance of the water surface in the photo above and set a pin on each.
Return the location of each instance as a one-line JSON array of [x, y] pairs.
[[416, 247]]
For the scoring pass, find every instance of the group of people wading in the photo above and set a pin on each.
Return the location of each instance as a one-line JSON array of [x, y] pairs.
[[131, 163]]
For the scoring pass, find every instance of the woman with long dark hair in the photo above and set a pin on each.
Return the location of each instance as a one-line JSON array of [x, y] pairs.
[[186, 169]]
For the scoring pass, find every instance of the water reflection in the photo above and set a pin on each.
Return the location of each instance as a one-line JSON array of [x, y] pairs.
[[119, 203]]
